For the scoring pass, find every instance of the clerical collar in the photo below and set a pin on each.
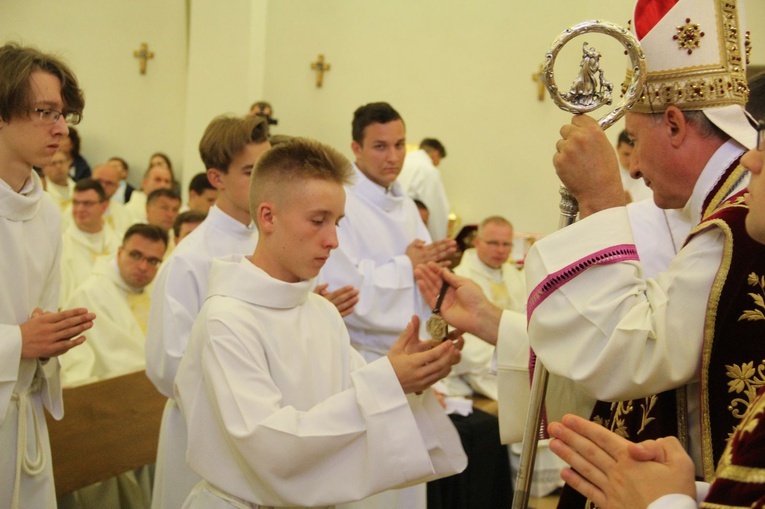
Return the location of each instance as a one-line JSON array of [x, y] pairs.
[[21, 205], [713, 171]]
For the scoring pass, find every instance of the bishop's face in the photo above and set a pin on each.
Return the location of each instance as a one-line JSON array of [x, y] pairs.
[[652, 159], [380, 155], [755, 220]]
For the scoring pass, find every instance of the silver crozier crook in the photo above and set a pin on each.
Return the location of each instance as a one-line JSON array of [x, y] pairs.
[[589, 91]]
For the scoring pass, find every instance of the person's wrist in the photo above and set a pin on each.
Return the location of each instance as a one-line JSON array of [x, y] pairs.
[[488, 318]]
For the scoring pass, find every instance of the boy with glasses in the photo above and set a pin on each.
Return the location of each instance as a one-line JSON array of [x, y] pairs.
[[38, 95]]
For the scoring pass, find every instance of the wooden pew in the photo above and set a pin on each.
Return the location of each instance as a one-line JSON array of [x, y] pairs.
[[109, 427]]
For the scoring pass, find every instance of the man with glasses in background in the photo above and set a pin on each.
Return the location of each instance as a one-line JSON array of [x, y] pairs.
[[116, 292], [39, 95], [86, 237]]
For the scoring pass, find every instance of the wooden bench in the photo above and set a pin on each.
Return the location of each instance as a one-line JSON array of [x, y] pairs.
[[109, 427]]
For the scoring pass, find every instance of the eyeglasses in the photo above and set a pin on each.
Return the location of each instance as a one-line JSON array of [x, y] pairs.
[[761, 136], [137, 256], [51, 116]]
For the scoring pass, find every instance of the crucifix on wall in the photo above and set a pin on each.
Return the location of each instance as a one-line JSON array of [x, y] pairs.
[[320, 66], [144, 55], [538, 78]]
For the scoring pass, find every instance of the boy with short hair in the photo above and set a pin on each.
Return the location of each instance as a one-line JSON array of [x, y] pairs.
[[281, 411], [39, 95]]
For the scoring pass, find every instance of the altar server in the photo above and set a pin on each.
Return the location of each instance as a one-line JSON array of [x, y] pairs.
[[281, 411], [39, 96], [229, 148]]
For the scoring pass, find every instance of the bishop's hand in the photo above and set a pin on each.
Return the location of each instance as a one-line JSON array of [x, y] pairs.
[[464, 305], [586, 163]]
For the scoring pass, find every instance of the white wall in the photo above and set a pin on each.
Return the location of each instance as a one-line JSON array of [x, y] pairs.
[[225, 75], [459, 71], [126, 114]]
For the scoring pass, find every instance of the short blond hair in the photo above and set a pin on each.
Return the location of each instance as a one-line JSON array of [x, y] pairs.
[[294, 161], [493, 220]]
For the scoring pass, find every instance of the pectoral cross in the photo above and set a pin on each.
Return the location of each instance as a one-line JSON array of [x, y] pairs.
[[320, 67], [538, 78], [144, 55]]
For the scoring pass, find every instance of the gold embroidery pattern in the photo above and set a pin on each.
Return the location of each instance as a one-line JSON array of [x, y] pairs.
[[741, 473], [753, 315], [702, 86], [621, 409], [745, 381], [688, 36]]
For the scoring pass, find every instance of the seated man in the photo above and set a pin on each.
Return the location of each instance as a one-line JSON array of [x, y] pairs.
[[115, 291], [162, 207], [108, 175], [187, 222], [87, 237], [502, 283], [202, 194], [280, 410], [57, 182], [156, 177], [124, 190]]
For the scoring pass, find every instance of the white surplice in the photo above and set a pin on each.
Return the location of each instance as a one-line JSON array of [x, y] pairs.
[[378, 226], [135, 209], [179, 291], [78, 255], [373, 236], [617, 335], [281, 411], [31, 250], [421, 180], [114, 346]]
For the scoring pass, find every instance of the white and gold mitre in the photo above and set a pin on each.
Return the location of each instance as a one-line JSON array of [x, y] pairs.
[[696, 55]]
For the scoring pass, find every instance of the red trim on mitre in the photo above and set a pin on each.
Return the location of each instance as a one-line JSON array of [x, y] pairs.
[[648, 13]]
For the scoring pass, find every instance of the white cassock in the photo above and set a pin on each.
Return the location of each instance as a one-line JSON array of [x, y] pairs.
[[78, 255], [373, 236], [115, 345], [281, 411], [62, 195], [422, 181], [179, 291], [135, 209], [504, 287], [617, 335], [31, 249]]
